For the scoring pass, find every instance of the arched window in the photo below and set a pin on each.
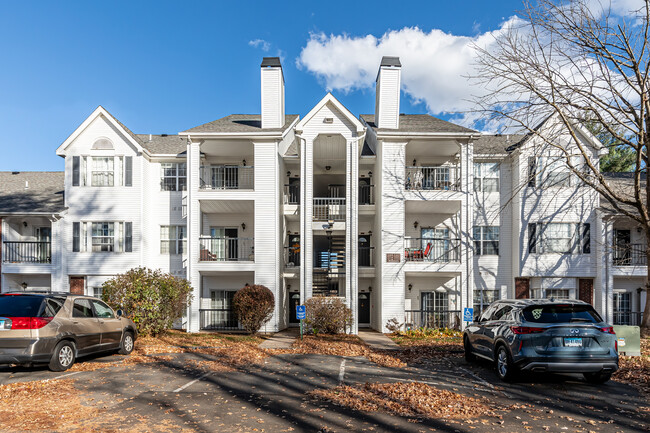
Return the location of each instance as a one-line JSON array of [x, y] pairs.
[[102, 144]]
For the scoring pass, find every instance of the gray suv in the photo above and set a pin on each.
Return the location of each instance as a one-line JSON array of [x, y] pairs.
[[539, 335]]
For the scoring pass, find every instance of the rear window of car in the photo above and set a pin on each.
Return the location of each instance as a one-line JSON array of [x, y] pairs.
[[20, 305], [561, 314]]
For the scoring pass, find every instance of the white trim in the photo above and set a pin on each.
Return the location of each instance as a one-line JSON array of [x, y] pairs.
[[329, 98]]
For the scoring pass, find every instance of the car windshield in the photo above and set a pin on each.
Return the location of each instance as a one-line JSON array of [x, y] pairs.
[[20, 305], [561, 314]]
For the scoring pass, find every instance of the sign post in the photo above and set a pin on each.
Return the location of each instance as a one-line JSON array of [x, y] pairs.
[[468, 314], [301, 313]]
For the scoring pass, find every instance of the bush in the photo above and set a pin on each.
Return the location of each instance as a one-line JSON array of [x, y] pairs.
[[152, 299], [394, 326], [327, 315], [254, 307]]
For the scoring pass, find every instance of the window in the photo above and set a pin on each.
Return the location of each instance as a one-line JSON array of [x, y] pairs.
[[102, 310], [82, 308], [562, 238], [552, 172], [557, 293], [103, 236], [622, 308], [435, 309], [103, 169], [561, 314], [486, 240], [174, 176], [502, 313], [52, 306], [483, 298], [76, 237], [97, 292], [173, 239], [486, 176]]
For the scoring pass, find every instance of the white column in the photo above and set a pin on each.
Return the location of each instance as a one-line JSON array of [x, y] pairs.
[[193, 233], [56, 245], [466, 216], [352, 230], [607, 290], [306, 217]]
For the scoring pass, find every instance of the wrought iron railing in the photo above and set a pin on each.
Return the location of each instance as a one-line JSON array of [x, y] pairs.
[[366, 256], [326, 209], [218, 319], [225, 249], [292, 194], [414, 319], [437, 250], [227, 177], [366, 194], [432, 178], [26, 252], [630, 255], [632, 318]]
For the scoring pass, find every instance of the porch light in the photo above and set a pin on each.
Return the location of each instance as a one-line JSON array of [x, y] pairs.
[[243, 162], [25, 223], [288, 174], [288, 287], [415, 224], [410, 286], [414, 162], [328, 167], [639, 229], [369, 173], [370, 288], [243, 226], [24, 285]]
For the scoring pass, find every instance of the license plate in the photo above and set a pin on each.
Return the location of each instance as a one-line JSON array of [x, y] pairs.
[[573, 342]]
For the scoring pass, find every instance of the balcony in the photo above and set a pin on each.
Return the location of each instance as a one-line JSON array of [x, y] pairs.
[[218, 319], [432, 178], [629, 318], [227, 177], [226, 249], [630, 255], [366, 194], [292, 193], [442, 318], [431, 250], [366, 256], [26, 252], [329, 209]]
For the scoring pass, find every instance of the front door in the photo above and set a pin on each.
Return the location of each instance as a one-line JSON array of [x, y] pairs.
[[586, 290], [364, 308], [365, 191], [522, 288], [364, 250], [293, 303], [77, 285], [44, 236], [232, 244]]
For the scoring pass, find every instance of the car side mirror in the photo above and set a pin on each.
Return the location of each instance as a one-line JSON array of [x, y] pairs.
[[119, 313]]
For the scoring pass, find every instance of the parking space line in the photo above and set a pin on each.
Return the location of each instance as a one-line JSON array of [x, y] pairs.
[[63, 375], [342, 371], [192, 382]]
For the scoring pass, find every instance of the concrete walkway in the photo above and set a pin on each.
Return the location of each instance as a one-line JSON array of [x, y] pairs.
[[281, 340], [377, 340]]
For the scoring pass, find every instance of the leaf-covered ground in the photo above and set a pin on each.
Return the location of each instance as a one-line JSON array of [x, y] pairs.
[[635, 370]]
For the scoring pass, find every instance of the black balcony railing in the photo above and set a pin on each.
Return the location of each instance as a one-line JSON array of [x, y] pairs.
[[414, 319], [218, 319], [227, 177], [326, 209], [432, 178], [292, 194], [225, 249], [366, 194], [632, 318], [630, 255], [26, 252], [367, 256], [431, 250]]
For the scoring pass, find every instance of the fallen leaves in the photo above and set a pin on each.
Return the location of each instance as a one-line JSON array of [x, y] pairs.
[[346, 345], [635, 370], [406, 399]]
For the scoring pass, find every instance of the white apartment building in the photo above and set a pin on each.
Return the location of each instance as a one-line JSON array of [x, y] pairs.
[[404, 216]]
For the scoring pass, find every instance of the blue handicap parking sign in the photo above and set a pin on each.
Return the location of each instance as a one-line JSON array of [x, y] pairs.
[[468, 314], [301, 312]]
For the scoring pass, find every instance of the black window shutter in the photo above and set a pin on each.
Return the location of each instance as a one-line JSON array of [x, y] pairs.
[[532, 170], [128, 171], [76, 237], [532, 238], [586, 238], [128, 237], [75, 171]]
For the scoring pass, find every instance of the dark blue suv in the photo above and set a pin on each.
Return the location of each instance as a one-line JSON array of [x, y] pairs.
[[566, 336]]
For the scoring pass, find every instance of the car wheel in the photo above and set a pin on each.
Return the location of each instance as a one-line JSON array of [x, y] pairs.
[[469, 356], [505, 368], [597, 377], [127, 344], [63, 356]]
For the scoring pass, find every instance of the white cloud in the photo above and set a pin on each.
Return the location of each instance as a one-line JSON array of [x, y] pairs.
[[435, 64], [261, 44]]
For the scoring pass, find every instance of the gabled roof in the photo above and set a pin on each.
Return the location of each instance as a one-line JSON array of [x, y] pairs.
[[100, 111], [163, 144], [330, 99], [623, 183], [414, 123], [31, 192], [240, 124], [497, 144]]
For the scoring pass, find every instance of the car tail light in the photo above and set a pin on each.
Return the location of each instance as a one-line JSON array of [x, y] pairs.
[[616, 345], [607, 330], [526, 330], [29, 322]]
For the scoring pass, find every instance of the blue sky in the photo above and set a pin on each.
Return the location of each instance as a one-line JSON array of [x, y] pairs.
[[162, 67]]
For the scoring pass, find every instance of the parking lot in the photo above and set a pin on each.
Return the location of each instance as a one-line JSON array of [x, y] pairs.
[[167, 395]]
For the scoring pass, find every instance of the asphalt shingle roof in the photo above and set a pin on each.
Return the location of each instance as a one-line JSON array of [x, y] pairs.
[[418, 123], [241, 123], [163, 144], [496, 144], [623, 183], [44, 191]]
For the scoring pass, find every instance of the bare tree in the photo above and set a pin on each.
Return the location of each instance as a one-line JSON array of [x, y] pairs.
[[576, 60]]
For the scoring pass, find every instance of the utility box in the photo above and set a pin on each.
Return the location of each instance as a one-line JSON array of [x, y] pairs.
[[629, 340]]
